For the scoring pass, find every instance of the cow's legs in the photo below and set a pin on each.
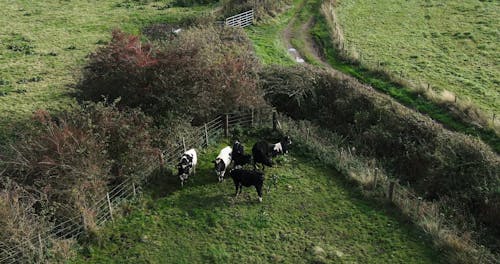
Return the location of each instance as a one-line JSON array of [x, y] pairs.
[[259, 191], [236, 186]]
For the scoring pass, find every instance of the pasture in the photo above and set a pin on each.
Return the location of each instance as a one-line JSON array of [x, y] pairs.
[[43, 45], [451, 45], [308, 214]]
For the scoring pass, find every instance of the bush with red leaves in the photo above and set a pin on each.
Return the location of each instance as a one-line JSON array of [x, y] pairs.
[[201, 73]]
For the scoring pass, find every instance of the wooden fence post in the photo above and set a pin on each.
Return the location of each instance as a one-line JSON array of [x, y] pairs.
[[390, 192], [206, 134], [109, 206], [275, 120], [493, 119], [133, 189], [184, 144], [226, 126], [375, 179]]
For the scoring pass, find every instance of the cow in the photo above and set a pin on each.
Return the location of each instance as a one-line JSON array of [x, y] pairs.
[[247, 178], [263, 152], [282, 146], [239, 156], [187, 165], [222, 162]]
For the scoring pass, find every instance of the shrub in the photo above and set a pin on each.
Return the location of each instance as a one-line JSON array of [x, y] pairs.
[[188, 3], [72, 158], [262, 8], [20, 222], [203, 72]]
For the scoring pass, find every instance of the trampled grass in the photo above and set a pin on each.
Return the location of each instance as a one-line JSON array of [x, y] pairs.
[[451, 45], [309, 214], [267, 38], [43, 45]]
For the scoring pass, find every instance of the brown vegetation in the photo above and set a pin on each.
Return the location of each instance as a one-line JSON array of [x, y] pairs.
[[202, 72]]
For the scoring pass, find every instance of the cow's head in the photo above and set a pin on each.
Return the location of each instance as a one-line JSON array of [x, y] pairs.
[[238, 147]]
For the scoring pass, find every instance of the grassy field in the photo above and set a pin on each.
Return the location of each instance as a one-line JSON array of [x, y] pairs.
[[451, 45], [43, 45], [309, 214]]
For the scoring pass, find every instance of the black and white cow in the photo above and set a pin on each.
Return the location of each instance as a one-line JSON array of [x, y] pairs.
[[247, 178], [222, 162], [263, 152], [187, 165], [282, 146], [239, 156]]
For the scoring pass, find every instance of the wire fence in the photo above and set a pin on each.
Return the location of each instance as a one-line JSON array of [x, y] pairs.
[[39, 246]]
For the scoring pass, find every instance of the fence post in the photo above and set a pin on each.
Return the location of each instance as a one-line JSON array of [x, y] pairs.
[[133, 189], [375, 179], [41, 247], [493, 119], [275, 120], [109, 206], [184, 144], [206, 134], [226, 126], [307, 135], [390, 192], [161, 159]]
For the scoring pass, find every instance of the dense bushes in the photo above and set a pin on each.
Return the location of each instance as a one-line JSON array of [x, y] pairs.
[[69, 161], [186, 3], [203, 72], [437, 163]]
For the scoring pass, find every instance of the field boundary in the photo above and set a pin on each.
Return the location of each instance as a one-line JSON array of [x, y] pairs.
[[244, 19], [375, 182], [102, 211]]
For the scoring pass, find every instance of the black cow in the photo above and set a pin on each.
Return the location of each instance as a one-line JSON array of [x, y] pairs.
[[239, 157], [263, 152], [247, 178]]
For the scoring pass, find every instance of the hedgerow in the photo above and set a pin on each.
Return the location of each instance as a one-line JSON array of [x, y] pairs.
[[437, 163]]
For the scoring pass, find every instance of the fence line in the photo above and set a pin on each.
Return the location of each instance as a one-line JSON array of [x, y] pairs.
[[409, 202], [102, 209], [241, 20]]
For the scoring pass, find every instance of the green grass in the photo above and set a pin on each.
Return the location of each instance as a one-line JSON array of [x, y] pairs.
[[403, 94], [309, 214], [451, 45], [267, 38], [43, 45], [301, 32]]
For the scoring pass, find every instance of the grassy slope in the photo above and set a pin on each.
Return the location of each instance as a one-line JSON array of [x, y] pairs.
[[402, 94], [48, 43], [452, 45], [267, 42], [266, 37], [310, 205]]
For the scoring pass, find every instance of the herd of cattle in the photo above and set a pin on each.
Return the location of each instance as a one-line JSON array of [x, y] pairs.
[[262, 153]]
